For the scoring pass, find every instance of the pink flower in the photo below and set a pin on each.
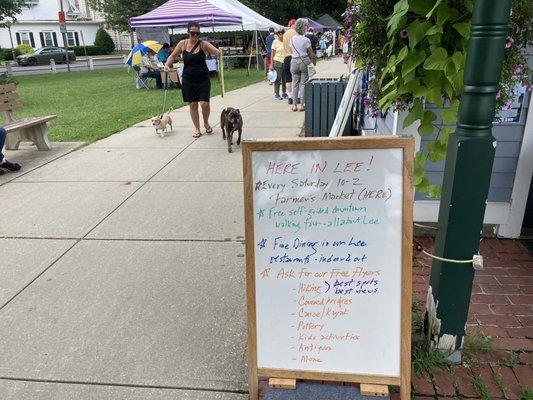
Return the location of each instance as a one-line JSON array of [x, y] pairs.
[[518, 69], [374, 113], [507, 106], [509, 42], [403, 33], [498, 95]]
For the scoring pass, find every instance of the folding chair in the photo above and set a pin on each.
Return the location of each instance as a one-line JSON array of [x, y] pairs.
[[140, 82]]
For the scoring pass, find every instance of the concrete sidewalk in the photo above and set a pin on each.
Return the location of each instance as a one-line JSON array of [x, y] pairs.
[[122, 272]]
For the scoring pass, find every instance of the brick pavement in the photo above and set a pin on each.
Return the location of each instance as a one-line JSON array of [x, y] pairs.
[[501, 308]]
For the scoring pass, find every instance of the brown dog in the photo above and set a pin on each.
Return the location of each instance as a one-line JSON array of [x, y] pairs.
[[231, 121]]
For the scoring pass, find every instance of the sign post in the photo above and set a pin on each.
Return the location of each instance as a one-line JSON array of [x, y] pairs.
[[328, 255], [63, 30], [466, 179]]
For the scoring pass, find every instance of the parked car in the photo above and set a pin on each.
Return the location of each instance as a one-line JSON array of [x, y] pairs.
[[44, 55]]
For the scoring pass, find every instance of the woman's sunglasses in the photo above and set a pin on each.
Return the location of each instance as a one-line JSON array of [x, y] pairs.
[[194, 33]]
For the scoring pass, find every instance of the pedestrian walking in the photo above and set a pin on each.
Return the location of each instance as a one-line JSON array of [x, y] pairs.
[[196, 83], [278, 57], [287, 36], [314, 43], [268, 44], [301, 59]]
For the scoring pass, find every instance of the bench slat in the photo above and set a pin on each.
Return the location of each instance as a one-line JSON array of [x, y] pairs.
[[28, 122]]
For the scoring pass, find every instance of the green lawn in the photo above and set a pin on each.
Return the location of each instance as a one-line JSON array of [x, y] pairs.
[[92, 105]]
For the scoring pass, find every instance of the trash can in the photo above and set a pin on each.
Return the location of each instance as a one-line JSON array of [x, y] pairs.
[[322, 100]]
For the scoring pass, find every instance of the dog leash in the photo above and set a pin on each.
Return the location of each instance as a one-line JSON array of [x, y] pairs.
[[165, 95], [221, 70]]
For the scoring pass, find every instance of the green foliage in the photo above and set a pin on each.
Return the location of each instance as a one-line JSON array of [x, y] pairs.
[[10, 8], [426, 359], [91, 51], [6, 54], [526, 393], [477, 343], [498, 381], [481, 389], [282, 11], [416, 50], [512, 361], [104, 42], [5, 79], [23, 49], [117, 13]]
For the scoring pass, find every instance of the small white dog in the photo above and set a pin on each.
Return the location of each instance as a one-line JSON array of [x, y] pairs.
[[162, 122]]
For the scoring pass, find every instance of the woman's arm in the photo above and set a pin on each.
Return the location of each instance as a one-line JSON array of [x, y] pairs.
[[211, 49], [175, 54]]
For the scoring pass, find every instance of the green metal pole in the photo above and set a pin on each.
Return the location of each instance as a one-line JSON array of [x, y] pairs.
[[466, 178]]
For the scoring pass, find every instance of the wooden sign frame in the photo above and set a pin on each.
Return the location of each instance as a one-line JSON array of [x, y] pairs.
[[348, 143]]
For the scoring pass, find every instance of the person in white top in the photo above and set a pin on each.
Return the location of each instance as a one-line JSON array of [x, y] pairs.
[[302, 53]]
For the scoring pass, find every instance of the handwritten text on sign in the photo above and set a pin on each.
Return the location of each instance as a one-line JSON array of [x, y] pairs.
[[328, 233]]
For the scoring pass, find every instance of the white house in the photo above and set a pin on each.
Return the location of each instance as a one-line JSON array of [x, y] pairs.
[[38, 25]]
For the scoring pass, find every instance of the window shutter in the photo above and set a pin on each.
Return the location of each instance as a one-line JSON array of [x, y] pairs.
[[32, 41], [41, 36], [54, 36], [77, 38], [18, 38]]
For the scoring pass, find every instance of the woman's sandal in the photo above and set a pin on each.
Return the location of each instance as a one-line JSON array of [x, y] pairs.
[[294, 108], [209, 130], [301, 108], [197, 134]]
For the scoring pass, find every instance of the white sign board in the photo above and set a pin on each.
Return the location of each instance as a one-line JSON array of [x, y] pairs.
[[328, 256]]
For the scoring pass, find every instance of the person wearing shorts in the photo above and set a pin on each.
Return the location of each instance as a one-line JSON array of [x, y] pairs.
[[287, 37]]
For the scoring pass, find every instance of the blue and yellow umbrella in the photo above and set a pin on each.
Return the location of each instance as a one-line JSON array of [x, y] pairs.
[[136, 54]]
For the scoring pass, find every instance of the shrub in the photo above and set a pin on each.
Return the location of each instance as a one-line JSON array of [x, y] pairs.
[[91, 50], [6, 54], [23, 49], [5, 79], [104, 41]]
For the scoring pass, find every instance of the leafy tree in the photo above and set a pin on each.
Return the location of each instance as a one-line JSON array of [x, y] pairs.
[[10, 8], [281, 11], [104, 41], [117, 13]]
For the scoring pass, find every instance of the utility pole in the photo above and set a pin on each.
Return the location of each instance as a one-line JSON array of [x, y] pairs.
[[466, 179], [63, 29]]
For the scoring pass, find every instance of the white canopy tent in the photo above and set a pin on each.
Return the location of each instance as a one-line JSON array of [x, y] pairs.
[[251, 20]]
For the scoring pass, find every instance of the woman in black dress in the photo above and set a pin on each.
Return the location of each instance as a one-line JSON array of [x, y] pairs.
[[196, 84]]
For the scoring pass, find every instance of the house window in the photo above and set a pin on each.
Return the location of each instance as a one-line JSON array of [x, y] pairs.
[[25, 38], [48, 40], [71, 40]]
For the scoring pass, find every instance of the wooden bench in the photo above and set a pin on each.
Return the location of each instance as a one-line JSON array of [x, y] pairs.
[[33, 129]]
